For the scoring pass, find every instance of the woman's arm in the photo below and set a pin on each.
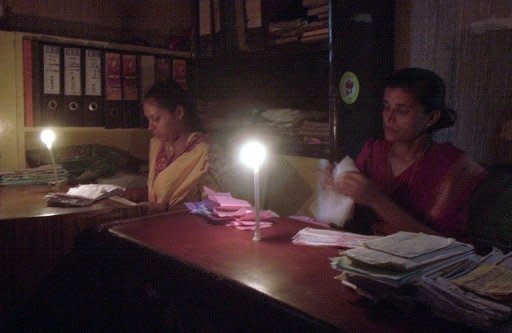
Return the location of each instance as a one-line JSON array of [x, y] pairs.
[[364, 192]]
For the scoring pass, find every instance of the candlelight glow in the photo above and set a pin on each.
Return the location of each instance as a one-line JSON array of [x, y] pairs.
[[253, 154], [48, 137]]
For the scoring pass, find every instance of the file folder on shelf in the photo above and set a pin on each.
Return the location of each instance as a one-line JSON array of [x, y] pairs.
[[147, 79], [179, 72], [162, 69], [131, 112], [93, 98], [51, 104], [113, 91], [72, 114]]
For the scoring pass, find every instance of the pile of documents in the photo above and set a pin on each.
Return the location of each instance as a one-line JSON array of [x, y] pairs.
[[83, 195], [401, 258], [221, 207], [42, 175], [445, 275], [327, 237]]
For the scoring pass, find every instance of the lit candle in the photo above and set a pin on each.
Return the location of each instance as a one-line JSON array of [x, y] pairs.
[[48, 137], [253, 154]]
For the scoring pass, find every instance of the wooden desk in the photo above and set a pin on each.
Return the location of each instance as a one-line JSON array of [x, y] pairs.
[[268, 285], [34, 237]]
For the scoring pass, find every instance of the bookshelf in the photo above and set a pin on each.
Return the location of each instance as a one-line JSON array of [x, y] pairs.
[[261, 75]]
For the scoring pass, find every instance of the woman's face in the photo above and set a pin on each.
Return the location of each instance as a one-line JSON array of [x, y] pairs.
[[164, 124], [404, 119]]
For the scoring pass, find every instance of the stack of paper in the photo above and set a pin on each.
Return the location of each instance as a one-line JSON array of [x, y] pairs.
[[326, 237], [221, 207], [42, 175], [83, 195], [445, 275], [401, 258], [477, 295], [453, 303]]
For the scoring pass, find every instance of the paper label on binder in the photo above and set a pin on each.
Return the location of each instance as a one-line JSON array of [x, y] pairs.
[[92, 73], [51, 68], [72, 80]]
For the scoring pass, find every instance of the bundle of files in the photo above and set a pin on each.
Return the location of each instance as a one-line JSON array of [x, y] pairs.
[[42, 175], [445, 275], [222, 208], [327, 237], [402, 258]]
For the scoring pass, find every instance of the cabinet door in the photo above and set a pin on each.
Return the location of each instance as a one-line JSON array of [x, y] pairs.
[[362, 50]]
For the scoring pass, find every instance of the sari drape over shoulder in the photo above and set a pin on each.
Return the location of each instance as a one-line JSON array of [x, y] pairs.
[[435, 189], [176, 179]]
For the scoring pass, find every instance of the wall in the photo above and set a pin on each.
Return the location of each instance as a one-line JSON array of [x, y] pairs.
[[11, 103], [449, 38]]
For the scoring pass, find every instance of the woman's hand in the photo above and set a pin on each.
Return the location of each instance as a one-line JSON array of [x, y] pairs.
[[361, 189], [325, 176]]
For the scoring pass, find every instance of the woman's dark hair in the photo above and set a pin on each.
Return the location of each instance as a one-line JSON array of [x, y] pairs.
[[168, 94], [428, 89]]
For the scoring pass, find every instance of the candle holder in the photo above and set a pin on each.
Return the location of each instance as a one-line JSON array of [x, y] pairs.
[[253, 154], [48, 137]]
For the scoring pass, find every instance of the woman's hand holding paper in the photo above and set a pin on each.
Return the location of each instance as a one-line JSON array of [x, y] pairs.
[[361, 189]]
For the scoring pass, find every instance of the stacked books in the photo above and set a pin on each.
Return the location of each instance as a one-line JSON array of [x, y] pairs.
[[315, 132], [283, 32], [312, 26], [42, 175], [318, 16], [441, 273]]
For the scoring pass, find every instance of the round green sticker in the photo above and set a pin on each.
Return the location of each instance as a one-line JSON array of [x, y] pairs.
[[349, 87]]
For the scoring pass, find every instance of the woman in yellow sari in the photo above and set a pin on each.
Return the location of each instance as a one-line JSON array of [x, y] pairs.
[[178, 154]]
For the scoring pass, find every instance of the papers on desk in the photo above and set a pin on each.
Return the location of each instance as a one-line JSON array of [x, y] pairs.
[[326, 237], [95, 191], [83, 195], [447, 276], [400, 258], [221, 207]]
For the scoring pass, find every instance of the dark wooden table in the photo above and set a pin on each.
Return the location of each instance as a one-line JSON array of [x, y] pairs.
[[34, 237], [269, 285]]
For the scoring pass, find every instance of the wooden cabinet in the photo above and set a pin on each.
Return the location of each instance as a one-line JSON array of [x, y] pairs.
[[362, 44]]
